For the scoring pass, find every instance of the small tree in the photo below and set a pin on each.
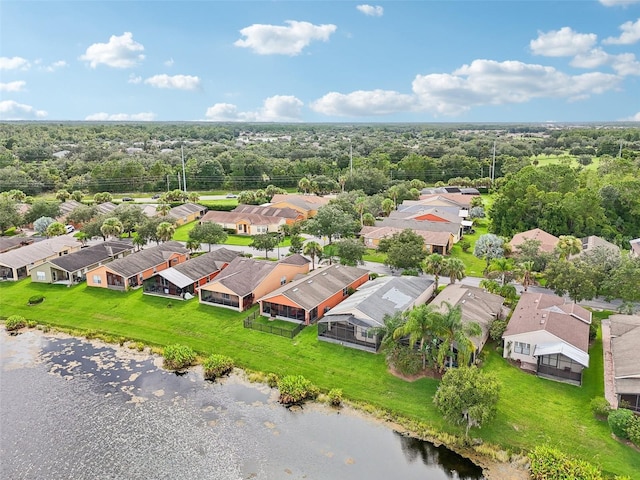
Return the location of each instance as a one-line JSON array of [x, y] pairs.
[[467, 396], [77, 195], [208, 232], [102, 197], [56, 229], [266, 242], [404, 249], [41, 224], [434, 265], [350, 251], [297, 244], [312, 249], [165, 231], [63, 195], [454, 268], [489, 247], [111, 227]]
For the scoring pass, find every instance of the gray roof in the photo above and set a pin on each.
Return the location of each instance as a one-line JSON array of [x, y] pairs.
[[144, 259], [37, 251], [91, 255], [625, 330], [69, 206], [199, 267], [183, 211], [314, 288], [106, 207], [243, 275], [477, 306], [10, 243], [268, 211], [420, 225], [382, 296], [295, 259]]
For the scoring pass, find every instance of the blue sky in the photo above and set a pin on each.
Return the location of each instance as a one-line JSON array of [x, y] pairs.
[[320, 61]]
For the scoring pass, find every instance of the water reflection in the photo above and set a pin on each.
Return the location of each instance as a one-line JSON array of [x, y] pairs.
[[74, 409]]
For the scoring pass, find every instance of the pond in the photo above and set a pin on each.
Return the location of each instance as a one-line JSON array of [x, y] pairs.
[[77, 409]]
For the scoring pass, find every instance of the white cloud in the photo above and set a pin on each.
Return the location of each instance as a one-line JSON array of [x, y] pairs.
[[135, 79], [487, 82], [55, 66], [370, 10], [169, 63], [121, 117], [562, 43], [289, 40], [12, 110], [592, 59], [17, 86], [14, 63], [363, 103], [613, 3], [625, 64], [279, 108], [630, 34], [633, 118], [120, 52], [178, 82]]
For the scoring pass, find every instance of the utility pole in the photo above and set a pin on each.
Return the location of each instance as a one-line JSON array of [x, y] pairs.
[[493, 163], [350, 156], [184, 177], [167, 183]]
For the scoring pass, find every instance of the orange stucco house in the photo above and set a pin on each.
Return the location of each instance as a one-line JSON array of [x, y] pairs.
[[246, 279], [307, 299], [131, 271], [307, 205]]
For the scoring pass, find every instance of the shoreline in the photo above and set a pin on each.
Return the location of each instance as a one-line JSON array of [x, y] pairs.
[[492, 469]]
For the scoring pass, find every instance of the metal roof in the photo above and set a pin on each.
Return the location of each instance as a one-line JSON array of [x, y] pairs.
[[562, 348], [180, 280]]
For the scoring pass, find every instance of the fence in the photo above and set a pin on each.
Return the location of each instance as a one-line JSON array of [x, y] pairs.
[[250, 322]]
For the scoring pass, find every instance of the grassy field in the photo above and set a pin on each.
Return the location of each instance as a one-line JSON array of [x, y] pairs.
[[573, 162], [532, 411]]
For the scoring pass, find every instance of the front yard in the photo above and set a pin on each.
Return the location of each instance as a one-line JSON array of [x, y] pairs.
[[532, 411]]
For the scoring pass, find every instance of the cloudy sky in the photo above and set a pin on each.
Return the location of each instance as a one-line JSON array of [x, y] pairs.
[[320, 61]]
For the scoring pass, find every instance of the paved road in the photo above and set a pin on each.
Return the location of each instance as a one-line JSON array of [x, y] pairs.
[[151, 200]]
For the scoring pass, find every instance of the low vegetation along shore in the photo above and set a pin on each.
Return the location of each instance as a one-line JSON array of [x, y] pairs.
[[531, 411]]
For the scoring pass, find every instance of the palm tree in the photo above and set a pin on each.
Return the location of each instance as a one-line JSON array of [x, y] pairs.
[[165, 231], [490, 285], [420, 327], [504, 267], [304, 185], [163, 209], [111, 227], [525, 273], [386, 332], [434, 264], [368, 220], [452, 332], [313, 250], [138, 240], [360, 204], [393, 191], [568, 245], [56, 229], [454, 268], [193, 197], [387, 206], [193, 244]]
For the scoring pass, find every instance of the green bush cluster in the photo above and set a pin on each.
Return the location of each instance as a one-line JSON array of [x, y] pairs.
[[410, 272], [216, 366], [334, 397], [178, 356], [15, 322], [406, 360], [633, 430], [548, 463], [619, 420], [272, 380], [295, 389], [600, 407], [497, 328], [35, 299]]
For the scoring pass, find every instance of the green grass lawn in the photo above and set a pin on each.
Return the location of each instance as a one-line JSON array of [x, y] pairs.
[[553, 159], [474, 266], [182, 235], [531, 410], [372, 255]]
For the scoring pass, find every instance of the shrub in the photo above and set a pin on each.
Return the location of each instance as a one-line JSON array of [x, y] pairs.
[[272, 380], [600, 407], [177, 356], [373, 275], [15, 322], [335, 397], [497, 328], [216, 366], [122, 341], [35, 299], [410, 272], [465, 245], [139, 346], [31, 323], [295, 389], [547, 463], [633, 430], [619, 420], [406, 360]]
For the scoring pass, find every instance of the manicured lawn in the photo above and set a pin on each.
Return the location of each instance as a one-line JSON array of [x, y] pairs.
[[372, 255], [532, 411], [182, 235], [553, 159], [474, 265]]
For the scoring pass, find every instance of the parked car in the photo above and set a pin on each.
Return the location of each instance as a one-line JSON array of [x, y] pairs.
[[70, 228], [232, 195], [127, 199], [156, 196]]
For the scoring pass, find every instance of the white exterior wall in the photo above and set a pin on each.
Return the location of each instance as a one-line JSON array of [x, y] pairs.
[[533, 339]]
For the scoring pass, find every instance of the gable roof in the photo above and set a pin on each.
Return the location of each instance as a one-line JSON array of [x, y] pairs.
[[305, 202], [268, 211], [433, 214], [295, 259], [625, 330], [539, 311], [547, 241], [37, 251], [106, 207], [144, 259], [312, 289], [204, 265], [183, 211], [377, 298], [430, 238], [91, 255], [243, 275], [635, 247], [592, 242], [423, 225], [69, 206], [458, 198], [235, 217], [10, 243]]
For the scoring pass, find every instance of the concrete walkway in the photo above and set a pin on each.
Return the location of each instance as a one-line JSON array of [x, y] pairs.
[[609, 386]]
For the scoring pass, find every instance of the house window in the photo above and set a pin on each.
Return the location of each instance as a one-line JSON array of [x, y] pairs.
[[523, 348], [41, 276], [345, 291], [550, 360], [283, 280], [97, 280], [225, 296]]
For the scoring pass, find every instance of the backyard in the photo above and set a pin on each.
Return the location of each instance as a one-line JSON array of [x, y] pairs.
[[531, 411]]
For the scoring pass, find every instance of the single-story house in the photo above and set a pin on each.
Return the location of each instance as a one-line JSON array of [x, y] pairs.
[[72, 268], [290, 214], [434, 242], [476, 305], [11, 243], [635, 248], [455, 229], [17, 264], [245, 223], [625, 339], [463, 201], [307, 205], [352, 322], [106, 208], [186, 213], [246, 279], [307, 299], [66, 208], [547, 241], [589, 244], [549, 337], [131, 271], [185, 278], [450, 190]]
